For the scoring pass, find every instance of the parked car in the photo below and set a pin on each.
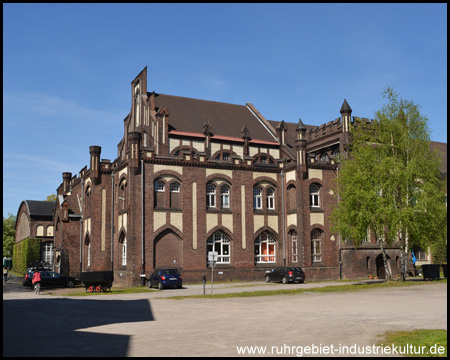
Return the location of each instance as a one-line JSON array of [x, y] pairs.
[[51, 279], [286, 274], [164, 278]]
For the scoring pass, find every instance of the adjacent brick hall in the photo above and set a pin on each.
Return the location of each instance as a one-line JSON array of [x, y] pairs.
[[193, 176]]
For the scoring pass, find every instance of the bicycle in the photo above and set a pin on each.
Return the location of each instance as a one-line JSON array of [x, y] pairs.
[[37, 288]]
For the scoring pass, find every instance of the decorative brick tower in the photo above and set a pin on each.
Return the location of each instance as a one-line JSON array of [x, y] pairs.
[[346, 116], [95, 163], [300, 145]]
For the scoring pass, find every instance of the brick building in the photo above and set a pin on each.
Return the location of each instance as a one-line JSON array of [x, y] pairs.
[[35, 220], [193, 176]]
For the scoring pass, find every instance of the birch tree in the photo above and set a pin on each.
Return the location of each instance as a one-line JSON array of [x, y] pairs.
[[389, 181]]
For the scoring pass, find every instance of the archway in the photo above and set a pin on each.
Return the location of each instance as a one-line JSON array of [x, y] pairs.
[[168, 250], [381, 269]]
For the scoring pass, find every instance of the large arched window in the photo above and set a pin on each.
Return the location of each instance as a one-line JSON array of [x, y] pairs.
[[265, 250], [122, 194], [316, 246], [219, 243]]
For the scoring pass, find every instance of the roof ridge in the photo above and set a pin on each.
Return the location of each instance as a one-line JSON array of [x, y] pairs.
[[191, 98]]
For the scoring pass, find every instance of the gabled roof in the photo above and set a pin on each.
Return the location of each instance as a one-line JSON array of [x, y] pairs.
[[189, 115], [40, 208]]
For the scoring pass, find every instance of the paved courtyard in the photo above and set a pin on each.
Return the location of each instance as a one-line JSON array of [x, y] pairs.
[[147, 325]]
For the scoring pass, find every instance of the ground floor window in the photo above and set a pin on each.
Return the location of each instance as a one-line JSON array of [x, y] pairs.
[[47, 252], [265, 248], [294, 242], [219, 243], [316, 239], [124, 251]]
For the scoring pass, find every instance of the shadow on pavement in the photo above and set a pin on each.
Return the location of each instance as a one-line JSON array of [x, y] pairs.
[[47, 327]]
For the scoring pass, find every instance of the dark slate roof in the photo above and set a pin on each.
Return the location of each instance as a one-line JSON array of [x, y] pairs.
[[345, 107], [40, 208], [189, 115]]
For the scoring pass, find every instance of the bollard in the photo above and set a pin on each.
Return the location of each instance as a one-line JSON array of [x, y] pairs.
[[204, 283]]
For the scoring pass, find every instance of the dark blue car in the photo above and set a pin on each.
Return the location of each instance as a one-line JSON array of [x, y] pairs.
[[165, 278]]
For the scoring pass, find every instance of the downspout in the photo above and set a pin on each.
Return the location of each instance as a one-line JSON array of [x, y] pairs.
[[81, 228], [284, 221], [143, 225]]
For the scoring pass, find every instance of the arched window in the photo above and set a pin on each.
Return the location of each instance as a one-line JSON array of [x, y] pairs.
[[270, 199], [257, 198], [314, 196], [316, 246], [265, 251], [294, 246], [210, 196], [160, 188], [175, 195], [123, 250], [122, 194], [87, 243], [225, 196], [219, 243]]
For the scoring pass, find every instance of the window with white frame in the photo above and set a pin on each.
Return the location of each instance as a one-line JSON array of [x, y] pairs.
[[47, 252], [219, 243], [123, 250], [224, 196], [210, 196], [257, 198], [270, 198], [294, 242], [314, 196], [265, 250], [316, 239], [159, 186], [88, 252]]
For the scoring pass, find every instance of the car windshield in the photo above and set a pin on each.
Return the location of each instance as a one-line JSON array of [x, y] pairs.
[[170, 272]]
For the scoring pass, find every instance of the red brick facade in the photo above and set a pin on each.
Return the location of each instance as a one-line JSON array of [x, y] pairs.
[[191, 170]]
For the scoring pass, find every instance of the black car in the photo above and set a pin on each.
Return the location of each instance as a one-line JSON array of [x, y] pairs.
[[286, 274], [51, 279], [163, 278]]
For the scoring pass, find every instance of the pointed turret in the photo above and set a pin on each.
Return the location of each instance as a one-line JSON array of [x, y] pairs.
[[346, 112], [300, 143]]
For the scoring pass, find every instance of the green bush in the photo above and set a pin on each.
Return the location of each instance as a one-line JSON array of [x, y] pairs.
[[25, 252]]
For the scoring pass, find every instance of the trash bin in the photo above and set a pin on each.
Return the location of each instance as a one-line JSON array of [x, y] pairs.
[[431, 271], [444, 269]]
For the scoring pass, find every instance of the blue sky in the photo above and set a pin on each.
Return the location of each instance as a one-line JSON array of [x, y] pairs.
[[67, 71]]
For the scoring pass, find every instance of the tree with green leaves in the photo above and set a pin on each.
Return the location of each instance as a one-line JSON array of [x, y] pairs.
[[51, 197], [389, 181], [9, 235]]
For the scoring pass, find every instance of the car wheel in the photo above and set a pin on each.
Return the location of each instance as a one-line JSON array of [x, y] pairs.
[[267, 278], [160, 287], [284, 280], [70, 284]]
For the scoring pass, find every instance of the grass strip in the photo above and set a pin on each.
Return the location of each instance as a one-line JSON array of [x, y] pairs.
[[416, 343], [325, 289]]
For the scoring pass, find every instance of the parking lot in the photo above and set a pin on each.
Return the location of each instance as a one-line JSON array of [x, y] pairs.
[[147, 325]]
